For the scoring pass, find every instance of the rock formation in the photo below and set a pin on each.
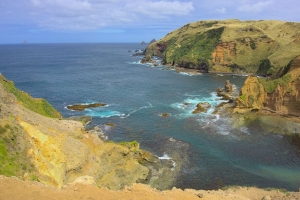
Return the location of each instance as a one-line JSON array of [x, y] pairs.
[[252, 95], [81, 107], [228, 86], [202, 107], [277, 96]]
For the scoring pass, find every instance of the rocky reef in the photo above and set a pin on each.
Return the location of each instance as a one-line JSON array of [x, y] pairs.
[[81, 107]]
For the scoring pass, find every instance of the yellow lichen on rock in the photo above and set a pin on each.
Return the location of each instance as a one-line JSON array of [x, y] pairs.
[[48, 157]]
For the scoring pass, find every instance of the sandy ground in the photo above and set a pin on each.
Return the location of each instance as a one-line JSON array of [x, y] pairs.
[[15, 189]]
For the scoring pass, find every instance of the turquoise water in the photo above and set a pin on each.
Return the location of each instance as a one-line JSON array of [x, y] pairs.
[[213, 155]]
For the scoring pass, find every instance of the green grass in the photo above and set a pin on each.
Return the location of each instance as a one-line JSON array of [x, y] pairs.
[[193, 50], [243, 97], [8, 166], [37, 105], [258, 49], [271, 85], [13, 154], [131, 145]]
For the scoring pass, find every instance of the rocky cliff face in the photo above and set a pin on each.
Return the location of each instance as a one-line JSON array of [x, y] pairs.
[[279, 96], [223, 52], [285, 99], [252, 96], [56, 151]]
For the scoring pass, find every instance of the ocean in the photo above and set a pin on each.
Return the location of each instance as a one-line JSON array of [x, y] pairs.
[[212, 155]]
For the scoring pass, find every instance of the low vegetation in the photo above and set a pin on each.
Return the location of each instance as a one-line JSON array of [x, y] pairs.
[[37, 105], [271, 85], [13, 152], [262, 47]]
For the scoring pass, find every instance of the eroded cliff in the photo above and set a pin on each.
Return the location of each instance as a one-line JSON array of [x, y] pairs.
[[278, 96]]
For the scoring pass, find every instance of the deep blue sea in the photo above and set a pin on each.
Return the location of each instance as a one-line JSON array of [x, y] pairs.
[[136, 94]]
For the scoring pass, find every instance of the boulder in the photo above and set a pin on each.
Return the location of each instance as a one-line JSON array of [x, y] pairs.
[[202, 107], [147, 59]]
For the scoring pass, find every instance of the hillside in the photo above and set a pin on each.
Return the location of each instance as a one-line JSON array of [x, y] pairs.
[[260, 47], [36, 143]]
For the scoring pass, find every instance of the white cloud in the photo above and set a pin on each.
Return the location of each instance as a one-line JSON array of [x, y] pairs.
[[255, 7], [221, 10], [95, 14], [160, 8]]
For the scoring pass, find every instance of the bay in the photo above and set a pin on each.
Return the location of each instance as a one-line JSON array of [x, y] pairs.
[[213, 155]]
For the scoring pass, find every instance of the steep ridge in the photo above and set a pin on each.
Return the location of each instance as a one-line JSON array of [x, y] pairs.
[[261, 47]]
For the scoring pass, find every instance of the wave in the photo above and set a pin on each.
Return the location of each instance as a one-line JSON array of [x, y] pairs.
[[188, 105], [189, 74], [102, 113], [143, 107], [166, 157]]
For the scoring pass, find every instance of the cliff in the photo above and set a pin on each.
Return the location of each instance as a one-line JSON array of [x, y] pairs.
[[274, 95], [36, 143], [272, 103], [261, 47]]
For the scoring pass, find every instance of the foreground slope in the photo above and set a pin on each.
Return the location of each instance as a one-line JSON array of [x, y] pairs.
[[56, 151], [261, 47]]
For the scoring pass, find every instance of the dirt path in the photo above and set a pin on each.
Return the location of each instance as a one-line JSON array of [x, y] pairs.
[[15, 189]]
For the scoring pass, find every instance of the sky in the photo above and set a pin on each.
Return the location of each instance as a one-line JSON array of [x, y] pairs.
[[98, 21]]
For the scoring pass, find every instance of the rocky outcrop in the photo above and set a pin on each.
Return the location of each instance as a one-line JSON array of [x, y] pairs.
[[202, 107], [81, 107], [228, 86], [252, 95]]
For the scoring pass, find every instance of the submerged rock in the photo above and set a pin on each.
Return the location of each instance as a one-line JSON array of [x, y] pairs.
[[165, 114]]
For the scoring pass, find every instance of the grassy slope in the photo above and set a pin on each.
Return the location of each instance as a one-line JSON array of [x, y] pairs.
[[276, 41], [14, 144], [13, 151], [37, 105]]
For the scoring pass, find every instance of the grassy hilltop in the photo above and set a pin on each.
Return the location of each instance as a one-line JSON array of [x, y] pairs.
[[261, 47]]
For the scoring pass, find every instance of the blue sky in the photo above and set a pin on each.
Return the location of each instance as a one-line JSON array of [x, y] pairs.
[[59, 21]]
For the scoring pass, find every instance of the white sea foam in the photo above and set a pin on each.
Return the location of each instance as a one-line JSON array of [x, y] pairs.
[[143, 107], [166, 157], [188, 105], [189, 74], [102, 113]]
